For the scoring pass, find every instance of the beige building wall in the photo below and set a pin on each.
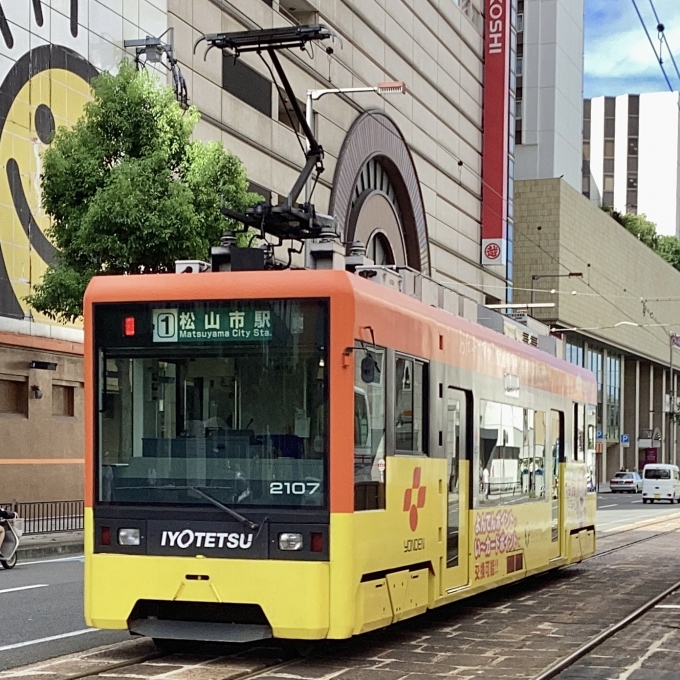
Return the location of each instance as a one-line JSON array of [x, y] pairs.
[[41, 420], [560, 231], [436, 48]]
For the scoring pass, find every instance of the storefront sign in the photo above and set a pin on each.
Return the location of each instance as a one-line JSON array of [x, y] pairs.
[[496, 133]]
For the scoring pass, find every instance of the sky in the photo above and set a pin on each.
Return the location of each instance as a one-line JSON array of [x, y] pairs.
[[618, 56]]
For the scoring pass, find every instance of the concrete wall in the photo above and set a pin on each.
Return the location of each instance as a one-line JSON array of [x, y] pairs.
[[618, 270], [41, 445], [552, 91], [434, 47]]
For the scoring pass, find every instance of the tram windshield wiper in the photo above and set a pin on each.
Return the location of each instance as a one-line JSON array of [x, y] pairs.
[[247, 524], [253, 526]]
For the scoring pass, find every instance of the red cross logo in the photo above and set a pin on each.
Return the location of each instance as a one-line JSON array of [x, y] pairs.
[[414, 499]]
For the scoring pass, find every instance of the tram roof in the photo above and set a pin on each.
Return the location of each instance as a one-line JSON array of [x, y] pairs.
[[301, 283]]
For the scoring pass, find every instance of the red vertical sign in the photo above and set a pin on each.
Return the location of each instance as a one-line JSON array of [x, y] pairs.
[[496, 132]]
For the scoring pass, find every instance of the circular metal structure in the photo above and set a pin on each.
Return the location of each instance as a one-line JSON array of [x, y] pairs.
[[375, 149]]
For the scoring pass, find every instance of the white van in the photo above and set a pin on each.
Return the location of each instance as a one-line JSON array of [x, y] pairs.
[[660, 483]]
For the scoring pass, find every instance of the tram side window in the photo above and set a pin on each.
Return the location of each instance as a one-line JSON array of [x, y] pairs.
[[411, 406], [591, 424], [579, 432], [369, 432], [512, 454]]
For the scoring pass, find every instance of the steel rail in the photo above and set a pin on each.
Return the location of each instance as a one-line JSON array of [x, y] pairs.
[[627, 545], [97, 672], [568, 661]]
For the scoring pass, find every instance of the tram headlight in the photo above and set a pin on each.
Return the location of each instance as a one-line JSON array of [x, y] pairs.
[[128, 536], [290, 541]]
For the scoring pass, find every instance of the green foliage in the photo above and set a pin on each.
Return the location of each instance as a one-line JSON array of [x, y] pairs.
[[641, 228], [667, 247], [128, 191]]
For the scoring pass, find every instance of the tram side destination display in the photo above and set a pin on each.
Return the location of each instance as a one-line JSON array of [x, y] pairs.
[[215, 325]]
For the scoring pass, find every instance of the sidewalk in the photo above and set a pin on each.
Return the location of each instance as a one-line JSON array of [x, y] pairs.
[[50, 545]]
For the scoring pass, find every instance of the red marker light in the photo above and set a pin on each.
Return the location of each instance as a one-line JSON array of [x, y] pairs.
[[129, 326], [105, 536], [316, 542]]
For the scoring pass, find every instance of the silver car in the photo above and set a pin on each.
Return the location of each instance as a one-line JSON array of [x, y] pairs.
[[626, 481]]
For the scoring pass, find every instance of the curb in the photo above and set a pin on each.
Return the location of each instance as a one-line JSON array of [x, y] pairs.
[[32, 552]]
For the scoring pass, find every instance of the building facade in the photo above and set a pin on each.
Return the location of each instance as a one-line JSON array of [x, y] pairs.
[[48, 54], [549, 90], [406, 175], [601, 281], [631, 155]]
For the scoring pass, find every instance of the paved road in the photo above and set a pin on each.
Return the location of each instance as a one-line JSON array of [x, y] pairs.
[[44, 599], [615, 510]]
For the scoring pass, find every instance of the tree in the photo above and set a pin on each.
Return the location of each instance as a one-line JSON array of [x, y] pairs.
[[667, 247], [642, 228], [129, 192]]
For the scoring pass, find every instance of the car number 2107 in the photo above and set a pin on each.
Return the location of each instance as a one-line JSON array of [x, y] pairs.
[[293, 488]]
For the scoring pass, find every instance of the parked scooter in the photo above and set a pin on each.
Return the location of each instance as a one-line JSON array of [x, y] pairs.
[[14, 529]]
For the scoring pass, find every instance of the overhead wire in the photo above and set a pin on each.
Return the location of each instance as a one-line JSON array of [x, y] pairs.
[[649, 37], [662, 33]]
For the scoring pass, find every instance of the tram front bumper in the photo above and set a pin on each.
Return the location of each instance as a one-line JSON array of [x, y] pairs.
[[293, 596]]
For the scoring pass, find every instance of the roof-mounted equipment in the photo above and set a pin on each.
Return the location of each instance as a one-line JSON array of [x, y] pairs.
[[289, 220]]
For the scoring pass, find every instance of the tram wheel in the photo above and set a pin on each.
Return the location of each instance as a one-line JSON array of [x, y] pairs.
[[167, 646], [307, 648]]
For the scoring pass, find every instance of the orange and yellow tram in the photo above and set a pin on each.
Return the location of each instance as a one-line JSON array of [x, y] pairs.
[[311, 455]]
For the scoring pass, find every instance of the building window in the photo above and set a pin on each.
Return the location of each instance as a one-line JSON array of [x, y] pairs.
[[287, 114], [63, 400], [246, 84], [518, 66], [14, 396], [608, 199], [299, 12], [520, 23], [608, 183], [594, 364], [613, 424], [518, 109], [574, 352]]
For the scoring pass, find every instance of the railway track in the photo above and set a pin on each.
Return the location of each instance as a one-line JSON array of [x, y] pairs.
[[104, 671], [571, 659], [458, 635]]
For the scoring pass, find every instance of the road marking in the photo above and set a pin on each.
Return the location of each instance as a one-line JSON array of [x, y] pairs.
[[74, 633], [614, 505], [655, 519], [75, 558], [14, 590], [667, 606]]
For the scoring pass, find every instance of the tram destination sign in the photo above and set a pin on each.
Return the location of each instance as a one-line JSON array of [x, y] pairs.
[[191, 324]]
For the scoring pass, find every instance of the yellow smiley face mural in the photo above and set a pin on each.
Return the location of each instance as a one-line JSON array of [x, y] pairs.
[[45, 89]]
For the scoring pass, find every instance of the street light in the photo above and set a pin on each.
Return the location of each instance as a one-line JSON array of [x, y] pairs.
[[390, 87], [536, 277]]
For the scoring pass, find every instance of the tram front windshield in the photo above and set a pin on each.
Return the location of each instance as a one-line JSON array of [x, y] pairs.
[[229, 399]]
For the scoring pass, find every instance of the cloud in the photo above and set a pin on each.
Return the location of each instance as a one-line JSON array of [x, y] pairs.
[[618, 56]]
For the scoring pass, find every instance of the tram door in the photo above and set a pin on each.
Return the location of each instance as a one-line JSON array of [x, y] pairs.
[[556, 457], [456, 436]]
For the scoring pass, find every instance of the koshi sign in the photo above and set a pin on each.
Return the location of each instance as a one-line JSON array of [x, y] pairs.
[[496, 133]]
